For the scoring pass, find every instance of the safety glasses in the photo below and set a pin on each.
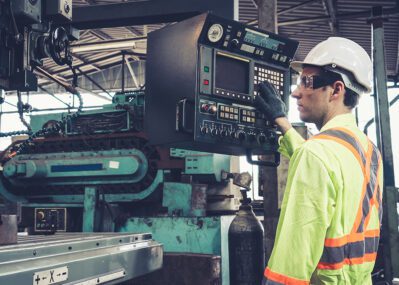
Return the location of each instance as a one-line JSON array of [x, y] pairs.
[[316, 81]]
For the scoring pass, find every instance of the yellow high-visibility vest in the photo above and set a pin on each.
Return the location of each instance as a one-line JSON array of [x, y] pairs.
[[331, 212]]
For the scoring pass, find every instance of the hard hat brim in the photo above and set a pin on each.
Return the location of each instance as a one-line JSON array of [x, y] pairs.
[[297, 66]]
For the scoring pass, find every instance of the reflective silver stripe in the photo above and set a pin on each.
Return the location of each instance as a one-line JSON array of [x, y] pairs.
[[270, 282], [338, 254], [370, 188], [349, 139]]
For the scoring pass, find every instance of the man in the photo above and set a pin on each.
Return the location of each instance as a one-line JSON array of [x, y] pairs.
[[329, 225]]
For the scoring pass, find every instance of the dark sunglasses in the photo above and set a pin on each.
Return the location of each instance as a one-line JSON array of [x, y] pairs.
[[316, 81]]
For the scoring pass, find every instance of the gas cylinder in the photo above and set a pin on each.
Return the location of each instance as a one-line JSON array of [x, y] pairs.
[[246, 248]]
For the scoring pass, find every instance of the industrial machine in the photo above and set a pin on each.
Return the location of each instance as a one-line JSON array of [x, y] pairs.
[[157, 161], [29, 32], [100, 174], [200, 90]]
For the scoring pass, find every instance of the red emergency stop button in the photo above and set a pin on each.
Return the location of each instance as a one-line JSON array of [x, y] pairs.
[[206, 82]]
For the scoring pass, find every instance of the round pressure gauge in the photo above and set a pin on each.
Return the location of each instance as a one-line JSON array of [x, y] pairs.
[[215, 33]]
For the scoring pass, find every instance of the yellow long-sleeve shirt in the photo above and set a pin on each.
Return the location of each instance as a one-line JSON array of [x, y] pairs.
[[321, 201]]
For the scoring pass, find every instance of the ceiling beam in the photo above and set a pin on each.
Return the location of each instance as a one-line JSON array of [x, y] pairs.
[[90, 62], [82, 59], [56, 78], [342, 16], [44, 71], [284, 11], [100, 34], [134, 31], [293, 8], [52, 95], [330, 9]]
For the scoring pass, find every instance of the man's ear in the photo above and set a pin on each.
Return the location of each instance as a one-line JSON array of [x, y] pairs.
[[338, 90]]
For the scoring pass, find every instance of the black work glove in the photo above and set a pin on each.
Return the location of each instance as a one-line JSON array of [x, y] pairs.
[[268, 101]]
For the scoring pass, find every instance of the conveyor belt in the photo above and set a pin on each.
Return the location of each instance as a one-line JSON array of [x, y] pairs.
[[78, 258]]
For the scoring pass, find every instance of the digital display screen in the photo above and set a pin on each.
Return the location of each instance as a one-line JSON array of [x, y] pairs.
[[232, 74], [263, 40]]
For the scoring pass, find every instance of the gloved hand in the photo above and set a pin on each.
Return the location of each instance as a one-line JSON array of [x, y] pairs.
[[268, 101]]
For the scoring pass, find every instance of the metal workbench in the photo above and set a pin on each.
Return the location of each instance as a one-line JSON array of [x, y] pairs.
[[79, 259]]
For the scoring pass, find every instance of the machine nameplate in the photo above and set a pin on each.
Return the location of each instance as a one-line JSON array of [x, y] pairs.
[[101, 279], [51, 276]]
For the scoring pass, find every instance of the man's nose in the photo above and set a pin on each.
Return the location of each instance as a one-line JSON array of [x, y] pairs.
[[296, 93]]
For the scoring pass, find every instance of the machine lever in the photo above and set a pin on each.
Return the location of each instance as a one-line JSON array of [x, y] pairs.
[[184, 122]]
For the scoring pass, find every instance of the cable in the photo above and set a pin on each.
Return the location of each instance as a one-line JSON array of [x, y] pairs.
[[58, 126], [15, 133], [20, 106], [46, 131], [14, 23]]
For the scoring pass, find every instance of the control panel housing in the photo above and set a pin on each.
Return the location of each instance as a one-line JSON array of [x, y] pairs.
[[50, 220], [201, 83]]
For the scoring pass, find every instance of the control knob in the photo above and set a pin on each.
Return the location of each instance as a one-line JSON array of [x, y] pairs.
[[261, 138], [241, 135], [234, 43], [214, 132], [40, 215], [204, 130], [224, 133], [212, 109], [272, 137]]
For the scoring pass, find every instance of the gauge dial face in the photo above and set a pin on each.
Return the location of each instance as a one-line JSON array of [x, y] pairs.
[[215, 33]]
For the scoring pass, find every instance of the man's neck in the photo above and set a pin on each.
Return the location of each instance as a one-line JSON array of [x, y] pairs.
[[331, 115]]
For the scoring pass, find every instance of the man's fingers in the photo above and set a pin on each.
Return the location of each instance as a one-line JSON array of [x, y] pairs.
[[267, 90], [262, 105]]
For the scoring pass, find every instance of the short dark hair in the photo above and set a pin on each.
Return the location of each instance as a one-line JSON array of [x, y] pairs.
[[351, 98]]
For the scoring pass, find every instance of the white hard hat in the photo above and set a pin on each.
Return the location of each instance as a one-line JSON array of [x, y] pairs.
[[345, 57]]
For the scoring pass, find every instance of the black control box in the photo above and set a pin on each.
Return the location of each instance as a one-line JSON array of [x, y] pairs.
[[201, 78], [50, 220]]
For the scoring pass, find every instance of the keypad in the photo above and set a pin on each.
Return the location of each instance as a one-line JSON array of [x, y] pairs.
[[274, 76], [247, 116], [228, 113]]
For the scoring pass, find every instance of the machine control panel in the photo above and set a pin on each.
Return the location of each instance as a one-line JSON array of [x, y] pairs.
[[215, 93], [235, 124], [50, 220]]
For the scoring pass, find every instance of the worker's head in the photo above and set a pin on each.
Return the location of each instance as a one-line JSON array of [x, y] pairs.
[[332, 77]]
